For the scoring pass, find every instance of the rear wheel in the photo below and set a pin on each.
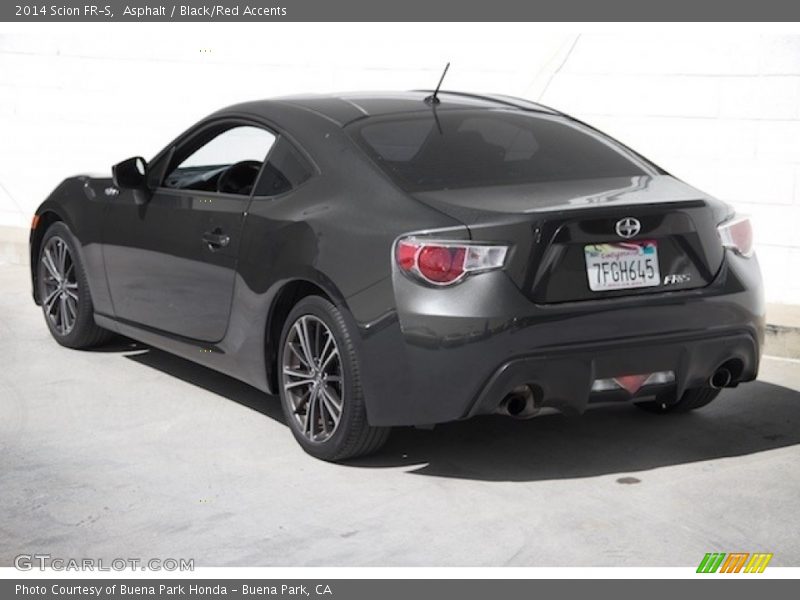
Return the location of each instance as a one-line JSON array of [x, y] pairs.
[[691, 400], [64, 292], [320, 384]]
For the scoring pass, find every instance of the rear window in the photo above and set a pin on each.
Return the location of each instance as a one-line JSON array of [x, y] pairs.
[[462, 149]]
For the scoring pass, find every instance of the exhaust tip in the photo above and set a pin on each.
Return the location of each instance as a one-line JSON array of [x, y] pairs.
[[516, 404], [720, 379], [520, 403]]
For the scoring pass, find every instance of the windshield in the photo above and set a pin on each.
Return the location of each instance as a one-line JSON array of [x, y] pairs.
[[476, 148]]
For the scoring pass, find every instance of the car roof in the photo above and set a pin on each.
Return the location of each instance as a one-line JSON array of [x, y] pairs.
[[345, 108]]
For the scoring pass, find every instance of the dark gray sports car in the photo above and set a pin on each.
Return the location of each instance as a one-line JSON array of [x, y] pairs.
[[408, 259]]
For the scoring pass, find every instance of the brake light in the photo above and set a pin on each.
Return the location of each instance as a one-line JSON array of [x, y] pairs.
[[444, 262], [737, 234]]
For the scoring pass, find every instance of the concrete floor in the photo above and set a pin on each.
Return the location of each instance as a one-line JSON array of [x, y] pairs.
[[130, 452]]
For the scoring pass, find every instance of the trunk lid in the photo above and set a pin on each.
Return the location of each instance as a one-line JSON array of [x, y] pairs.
[[554, 227]]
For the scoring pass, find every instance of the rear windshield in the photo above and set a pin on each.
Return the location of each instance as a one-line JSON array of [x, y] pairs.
[[462, 149]]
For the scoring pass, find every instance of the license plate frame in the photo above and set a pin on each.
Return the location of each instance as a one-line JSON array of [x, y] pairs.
[[617, 266]]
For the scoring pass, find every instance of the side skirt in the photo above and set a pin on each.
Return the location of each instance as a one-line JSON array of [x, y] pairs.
[[212, 356]]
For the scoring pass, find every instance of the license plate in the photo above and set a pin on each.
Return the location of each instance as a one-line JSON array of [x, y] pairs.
[[622, 266]]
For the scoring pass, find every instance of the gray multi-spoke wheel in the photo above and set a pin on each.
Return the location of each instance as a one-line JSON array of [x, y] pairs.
[[60, 284], [63, 291], [312, 378], [320, 383]]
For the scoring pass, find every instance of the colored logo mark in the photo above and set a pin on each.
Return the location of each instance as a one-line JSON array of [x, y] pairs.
[[735, 562]]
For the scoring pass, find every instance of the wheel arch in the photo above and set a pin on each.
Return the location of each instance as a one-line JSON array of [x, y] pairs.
[[67, 204], [46, 218], [287, 296]]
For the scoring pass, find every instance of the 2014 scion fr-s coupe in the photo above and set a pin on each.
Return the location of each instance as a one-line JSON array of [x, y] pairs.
[[408, 259]]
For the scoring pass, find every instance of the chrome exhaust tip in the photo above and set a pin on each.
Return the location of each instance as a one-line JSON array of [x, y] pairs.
[[720, 379], [520, 403]]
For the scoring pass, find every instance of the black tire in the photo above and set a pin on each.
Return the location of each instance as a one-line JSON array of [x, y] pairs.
[[83, 331], [692, 399], [352, 435]]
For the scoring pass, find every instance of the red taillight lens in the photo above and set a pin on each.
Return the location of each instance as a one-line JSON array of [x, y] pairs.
[[407, 255], [444, 263], [737, 234], [440, 263]]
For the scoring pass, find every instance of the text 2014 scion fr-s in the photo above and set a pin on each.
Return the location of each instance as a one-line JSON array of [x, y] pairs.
[[408, 259]]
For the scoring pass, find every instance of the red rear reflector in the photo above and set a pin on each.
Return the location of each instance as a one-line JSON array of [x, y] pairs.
[[35, 221], [632, 383]]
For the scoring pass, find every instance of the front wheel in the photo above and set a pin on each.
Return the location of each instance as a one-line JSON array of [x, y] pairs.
[[691, 400], [64, 291], [320, 384]]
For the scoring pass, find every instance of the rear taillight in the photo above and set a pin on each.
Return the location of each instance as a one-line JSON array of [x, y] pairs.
[[445, 262], [737, 234]]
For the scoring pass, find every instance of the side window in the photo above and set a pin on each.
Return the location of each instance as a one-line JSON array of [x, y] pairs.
[[285, 170], [225, 160]]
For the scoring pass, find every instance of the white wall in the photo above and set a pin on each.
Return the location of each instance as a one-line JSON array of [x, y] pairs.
[[76, 103], [721, 112]]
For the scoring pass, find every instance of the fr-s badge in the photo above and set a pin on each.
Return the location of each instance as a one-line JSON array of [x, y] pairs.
[[677, 278]]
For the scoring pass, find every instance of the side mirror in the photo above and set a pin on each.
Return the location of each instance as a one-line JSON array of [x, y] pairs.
[[131, 174]]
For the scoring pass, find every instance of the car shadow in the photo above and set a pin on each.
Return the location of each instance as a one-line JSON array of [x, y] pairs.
[[206, 378], [611, 439], [117, 344]]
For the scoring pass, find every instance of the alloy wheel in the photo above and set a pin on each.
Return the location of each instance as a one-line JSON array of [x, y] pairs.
[[312, 378], [60, 298]]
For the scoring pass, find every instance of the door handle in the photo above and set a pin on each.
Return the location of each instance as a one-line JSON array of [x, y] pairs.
[[216, 239]]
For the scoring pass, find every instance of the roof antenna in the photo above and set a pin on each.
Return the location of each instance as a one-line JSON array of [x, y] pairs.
[[433, 99]]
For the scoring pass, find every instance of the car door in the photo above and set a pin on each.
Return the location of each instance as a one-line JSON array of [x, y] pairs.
[[171, 260]]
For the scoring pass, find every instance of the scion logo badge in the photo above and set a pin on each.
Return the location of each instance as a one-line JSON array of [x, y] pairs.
[[628, 227], [735, 562]]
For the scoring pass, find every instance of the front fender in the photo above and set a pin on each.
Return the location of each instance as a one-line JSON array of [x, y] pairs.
[[72, 203]]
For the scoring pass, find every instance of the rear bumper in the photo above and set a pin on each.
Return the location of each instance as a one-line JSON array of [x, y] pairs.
[[446, 355], [565, 378]]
